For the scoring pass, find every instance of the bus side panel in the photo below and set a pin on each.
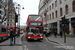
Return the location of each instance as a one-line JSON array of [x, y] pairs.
[[3, 32]]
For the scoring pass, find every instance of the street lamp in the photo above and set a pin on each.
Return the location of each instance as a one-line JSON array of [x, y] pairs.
[[18, 20], [24, 24], [19, 14]]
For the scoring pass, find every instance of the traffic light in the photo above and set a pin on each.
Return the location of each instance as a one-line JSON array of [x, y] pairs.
[[63, 20], [66, 21], [16, 18]]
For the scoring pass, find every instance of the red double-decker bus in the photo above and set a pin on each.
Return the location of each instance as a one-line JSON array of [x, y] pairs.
[[34, 27]]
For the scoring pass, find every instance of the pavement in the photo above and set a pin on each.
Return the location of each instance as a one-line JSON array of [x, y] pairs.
[[23, 44], [17, 46], [70, 41]]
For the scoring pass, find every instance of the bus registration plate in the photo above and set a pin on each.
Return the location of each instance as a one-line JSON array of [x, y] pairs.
[[35, 39]]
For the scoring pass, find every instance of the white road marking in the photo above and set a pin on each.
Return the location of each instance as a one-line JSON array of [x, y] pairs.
[[53, 42], [25, 46], [26, 49], [44, 45], [28, 45]]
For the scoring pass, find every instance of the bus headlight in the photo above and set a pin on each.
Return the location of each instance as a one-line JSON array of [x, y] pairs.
[[28, 37], [41, 37]]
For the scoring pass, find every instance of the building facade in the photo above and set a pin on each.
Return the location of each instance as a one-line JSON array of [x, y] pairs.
[[22, 27], [11, 14], [55, 10]]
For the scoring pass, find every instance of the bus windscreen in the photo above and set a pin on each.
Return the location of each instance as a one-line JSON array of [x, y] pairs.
[[35, 18], [35, 30]]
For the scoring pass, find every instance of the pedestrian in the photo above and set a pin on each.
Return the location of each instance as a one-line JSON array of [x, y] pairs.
[[14, 30], [44, 32], [55, 34], [49, 33], [11, 36], [61, 34], [18, 32]]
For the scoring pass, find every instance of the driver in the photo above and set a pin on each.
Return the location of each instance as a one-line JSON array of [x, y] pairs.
[[37, 30]]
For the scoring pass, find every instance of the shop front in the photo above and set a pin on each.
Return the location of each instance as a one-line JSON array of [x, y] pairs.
[[53, 26], [46, 26], [73, 25]]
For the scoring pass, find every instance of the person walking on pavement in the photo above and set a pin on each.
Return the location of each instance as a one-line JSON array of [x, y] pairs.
[[49, 32], [44, 32], [55, 34], [61, 34], [11, 36], [18, 32]]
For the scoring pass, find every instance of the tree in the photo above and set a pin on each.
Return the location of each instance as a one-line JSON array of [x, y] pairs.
[[4, 5]]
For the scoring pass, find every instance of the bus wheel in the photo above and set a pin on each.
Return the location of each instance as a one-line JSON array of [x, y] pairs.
[[27, 39], [1, 38]]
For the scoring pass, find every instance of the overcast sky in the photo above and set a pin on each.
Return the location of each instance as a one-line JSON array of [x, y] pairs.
[[30, 7]]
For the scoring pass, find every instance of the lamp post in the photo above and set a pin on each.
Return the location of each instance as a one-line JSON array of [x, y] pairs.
[[18, 21], [24, 27], [19, 6]]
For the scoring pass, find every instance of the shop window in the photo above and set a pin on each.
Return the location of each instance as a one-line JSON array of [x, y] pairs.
[[0, 1], [0, 6], [5, 0]]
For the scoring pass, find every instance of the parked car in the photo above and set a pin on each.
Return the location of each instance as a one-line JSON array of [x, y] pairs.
[[21, 32]]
